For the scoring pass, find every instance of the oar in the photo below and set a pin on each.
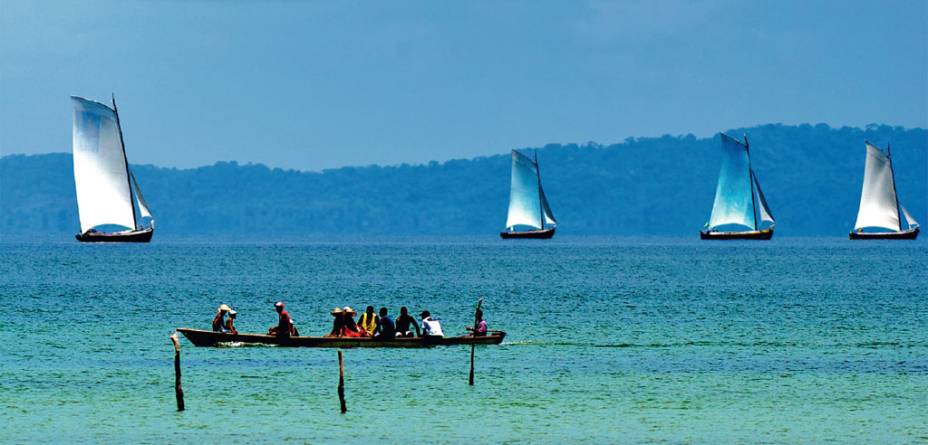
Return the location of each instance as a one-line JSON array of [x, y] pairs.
[[473, 345]]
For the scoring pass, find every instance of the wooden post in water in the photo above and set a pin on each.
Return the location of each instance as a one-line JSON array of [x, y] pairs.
[[341, 382], [470, 379], [178, 389]]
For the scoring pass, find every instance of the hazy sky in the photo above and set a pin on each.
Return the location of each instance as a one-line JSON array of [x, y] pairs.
[[313, 85]]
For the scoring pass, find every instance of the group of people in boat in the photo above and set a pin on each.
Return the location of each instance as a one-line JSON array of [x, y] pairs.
[[381, 324], [376, 325]]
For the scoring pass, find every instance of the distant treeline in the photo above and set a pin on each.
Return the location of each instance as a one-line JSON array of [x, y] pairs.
[[811, 175]]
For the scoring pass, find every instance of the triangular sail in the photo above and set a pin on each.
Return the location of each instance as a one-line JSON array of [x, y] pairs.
[[763, 210], [100, 176], [524, 201], [549, 215], [879, 206], [909, 219], [143, 206], [734, 200]]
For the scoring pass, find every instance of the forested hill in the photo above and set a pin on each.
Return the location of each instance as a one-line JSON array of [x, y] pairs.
[[811, 176]]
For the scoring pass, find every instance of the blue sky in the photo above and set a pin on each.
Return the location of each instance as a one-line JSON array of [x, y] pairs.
[[313, 85]]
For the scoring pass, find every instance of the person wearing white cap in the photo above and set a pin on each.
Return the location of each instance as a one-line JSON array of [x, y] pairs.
[[219, 320], [230, 323], [350, 328], [284, 323]]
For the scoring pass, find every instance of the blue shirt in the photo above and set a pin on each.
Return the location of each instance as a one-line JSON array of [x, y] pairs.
[[386, 328]]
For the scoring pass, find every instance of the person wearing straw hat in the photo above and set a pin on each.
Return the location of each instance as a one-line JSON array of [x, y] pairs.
[[219, 320], [338, 323], [230, 322], [350, 328]]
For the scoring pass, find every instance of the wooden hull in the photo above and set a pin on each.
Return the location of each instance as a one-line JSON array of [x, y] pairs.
[[129, 236], [201, 337], [765, 234], [910, 234], [531, 234]]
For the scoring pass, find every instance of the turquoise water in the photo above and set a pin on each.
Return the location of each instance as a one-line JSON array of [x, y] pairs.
[[609, 341]]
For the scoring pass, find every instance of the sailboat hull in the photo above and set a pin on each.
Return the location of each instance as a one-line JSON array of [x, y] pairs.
[[129, 236], [910, 234], [531, 234], [765, 234]]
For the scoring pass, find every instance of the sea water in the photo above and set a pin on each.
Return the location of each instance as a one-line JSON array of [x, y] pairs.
[[608, 341]]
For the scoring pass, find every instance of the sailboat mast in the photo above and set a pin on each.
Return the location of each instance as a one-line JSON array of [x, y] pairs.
[[747, 148], [122, 144], [541, 207], [892, 172]]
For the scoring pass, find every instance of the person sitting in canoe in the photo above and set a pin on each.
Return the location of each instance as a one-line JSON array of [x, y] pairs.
[[430, 327], [403, 322], [219, 320], [338, 323], [385, 327], [368, 321], [284, 326], [350, 328], [230, 323], [481, 328]]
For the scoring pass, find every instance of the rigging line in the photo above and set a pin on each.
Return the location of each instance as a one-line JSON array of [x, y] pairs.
[[135, 222], [892, 172], [541, 207], [747, 148]]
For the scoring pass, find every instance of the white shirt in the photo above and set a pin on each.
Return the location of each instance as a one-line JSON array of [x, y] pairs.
[[431, 327]]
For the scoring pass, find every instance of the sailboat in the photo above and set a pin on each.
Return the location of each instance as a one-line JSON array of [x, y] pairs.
[[105, 186], [529, 215], [740, 210], [879, 202]]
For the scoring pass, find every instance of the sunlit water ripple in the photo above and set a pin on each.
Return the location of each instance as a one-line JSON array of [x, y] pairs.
[[609, 341]]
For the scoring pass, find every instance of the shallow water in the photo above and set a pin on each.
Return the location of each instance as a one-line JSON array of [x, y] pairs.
[[609, 341]]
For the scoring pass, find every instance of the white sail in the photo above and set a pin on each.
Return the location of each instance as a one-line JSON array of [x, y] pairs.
[[878, 204], [763, 209], [524, 202], [908, 218], [100, 175], [734, 202], [143, 206], [549, 215]]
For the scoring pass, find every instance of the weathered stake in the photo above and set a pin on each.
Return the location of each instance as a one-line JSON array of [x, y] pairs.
[[471, 379], [178, 389], [341, 382]]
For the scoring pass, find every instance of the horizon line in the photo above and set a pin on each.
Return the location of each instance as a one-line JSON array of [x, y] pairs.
[[504, 153]]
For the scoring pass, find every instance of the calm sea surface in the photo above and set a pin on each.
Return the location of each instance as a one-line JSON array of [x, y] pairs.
[[609, 341]]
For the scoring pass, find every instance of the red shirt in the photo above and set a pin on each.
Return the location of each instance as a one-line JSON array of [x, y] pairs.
[[349, 332], [283, 324]]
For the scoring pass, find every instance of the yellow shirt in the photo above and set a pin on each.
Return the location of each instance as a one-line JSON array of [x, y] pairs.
[[369, 324]]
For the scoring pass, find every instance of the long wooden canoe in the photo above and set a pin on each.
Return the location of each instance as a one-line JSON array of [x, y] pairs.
[[201, 337]]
